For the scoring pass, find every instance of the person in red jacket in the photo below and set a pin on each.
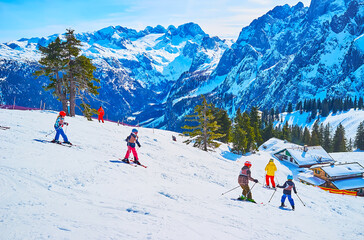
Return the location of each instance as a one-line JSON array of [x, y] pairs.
[[101, 114]]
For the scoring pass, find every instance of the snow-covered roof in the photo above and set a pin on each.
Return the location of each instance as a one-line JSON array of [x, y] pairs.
[[351, 183], [275, 145], [310, 178], [343, 169], [313, 155]]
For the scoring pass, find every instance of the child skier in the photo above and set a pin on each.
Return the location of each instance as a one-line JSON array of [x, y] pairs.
[[243, 180], [101, 114], [131, 140], [59, 130], [288, 186], [270, 169]]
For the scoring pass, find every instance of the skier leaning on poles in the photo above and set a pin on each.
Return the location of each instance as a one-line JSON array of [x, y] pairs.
[[243, 180]]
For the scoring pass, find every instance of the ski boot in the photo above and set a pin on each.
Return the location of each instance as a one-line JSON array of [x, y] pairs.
[[282, 205], [137, 162], [55, 141], [251, 200], [67, 143], [125, 160], [292, 207], [242, 198]]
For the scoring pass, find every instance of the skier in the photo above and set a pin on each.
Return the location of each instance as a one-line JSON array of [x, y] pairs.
[[288, 186], [101, 114], [243, 180], [132, 139], [59, 130], [270, 169]]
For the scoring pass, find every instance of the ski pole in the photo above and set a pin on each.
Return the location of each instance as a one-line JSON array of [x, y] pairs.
[[272, 196], [250, 190], [300, 200], [49, 133], [230, 190]]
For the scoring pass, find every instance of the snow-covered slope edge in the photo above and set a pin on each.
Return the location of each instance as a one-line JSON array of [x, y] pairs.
[[54, 192]]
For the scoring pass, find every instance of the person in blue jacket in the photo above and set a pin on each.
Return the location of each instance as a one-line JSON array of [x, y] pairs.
[[288, 186], [59, 130]]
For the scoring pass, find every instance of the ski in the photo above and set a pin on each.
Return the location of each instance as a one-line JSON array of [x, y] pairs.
[[285, 208], [138, 164], [59, 143], [242, 200], [130, 164]]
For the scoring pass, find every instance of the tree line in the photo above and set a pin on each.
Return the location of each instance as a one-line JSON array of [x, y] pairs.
[[316, 107], [248, 130]]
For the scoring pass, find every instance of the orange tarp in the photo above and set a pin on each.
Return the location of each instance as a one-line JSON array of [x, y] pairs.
[[337, 191]]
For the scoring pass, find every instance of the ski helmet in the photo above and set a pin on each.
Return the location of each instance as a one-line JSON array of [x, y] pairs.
[[134, 130], [289, 177], [248, 164], [62, 113]]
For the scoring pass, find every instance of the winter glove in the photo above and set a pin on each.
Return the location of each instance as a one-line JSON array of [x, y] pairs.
[[66, 123], [256, 180], [139, 145], [278, 185]]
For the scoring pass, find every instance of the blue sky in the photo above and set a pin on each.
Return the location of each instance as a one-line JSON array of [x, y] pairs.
[[38, 18]]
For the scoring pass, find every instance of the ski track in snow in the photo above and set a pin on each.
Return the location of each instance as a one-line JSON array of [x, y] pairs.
[[53, 192]]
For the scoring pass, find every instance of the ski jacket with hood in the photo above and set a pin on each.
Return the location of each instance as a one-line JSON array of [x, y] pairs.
[[270, 168], [288, 186]]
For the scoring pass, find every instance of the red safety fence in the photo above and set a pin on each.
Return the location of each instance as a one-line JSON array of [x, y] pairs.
[[15, 107], [337, 191]]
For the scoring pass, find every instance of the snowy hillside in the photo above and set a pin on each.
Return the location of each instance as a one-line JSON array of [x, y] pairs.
[[349, 119], [50, 191]]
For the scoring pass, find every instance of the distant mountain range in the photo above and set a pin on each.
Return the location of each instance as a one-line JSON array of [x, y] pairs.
[[154, 77]]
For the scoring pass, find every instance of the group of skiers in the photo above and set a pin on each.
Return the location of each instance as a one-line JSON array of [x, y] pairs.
[[243, 179], [131, 140], [245, 176]]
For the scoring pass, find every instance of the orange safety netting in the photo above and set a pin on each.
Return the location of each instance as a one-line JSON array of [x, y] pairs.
[[337, 191]]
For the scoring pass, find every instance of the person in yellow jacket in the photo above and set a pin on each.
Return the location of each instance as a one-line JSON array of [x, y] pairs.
[[270, 169]]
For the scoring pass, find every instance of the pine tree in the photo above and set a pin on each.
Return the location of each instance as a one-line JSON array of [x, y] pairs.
[[71, 74], [239, 139], [315, 135], [359, 137], [360, 103], [325, 108], [339, 140], [223, 120], [306, 138], [204, 133], [327, 140], [286, 132], [252, 144], [52, 66], [255, 122], [268, 132]]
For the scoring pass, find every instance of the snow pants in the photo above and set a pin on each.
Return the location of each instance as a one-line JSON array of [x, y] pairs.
[[101, 117], [267, 177], [290, 199], [131, 149], [246, 190], [59, 131]]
